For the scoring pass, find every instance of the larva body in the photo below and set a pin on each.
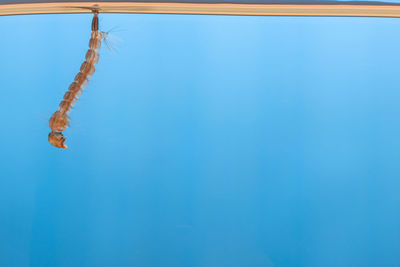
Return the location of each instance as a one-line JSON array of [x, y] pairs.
[[59, 121]]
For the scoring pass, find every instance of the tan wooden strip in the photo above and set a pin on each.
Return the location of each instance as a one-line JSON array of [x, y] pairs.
[[305, 9]]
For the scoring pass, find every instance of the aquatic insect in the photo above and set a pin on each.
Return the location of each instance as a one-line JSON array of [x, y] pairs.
[[59, 121]]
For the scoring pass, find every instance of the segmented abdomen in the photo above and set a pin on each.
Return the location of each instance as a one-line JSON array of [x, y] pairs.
[[82, 78]]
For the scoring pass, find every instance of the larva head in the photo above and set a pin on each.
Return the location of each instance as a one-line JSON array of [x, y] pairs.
[[57, 139]]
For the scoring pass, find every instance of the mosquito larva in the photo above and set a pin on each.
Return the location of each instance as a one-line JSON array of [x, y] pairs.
[[59, 121]]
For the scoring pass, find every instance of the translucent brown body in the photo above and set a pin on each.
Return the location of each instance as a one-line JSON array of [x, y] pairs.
[[59, 121]]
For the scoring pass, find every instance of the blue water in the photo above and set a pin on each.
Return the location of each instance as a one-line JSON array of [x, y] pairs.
[[202, 141]]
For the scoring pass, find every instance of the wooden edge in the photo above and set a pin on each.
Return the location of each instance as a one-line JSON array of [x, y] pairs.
[[305, 9]]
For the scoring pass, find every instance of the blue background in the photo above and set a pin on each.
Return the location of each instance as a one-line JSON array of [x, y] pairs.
[[202, 141]]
